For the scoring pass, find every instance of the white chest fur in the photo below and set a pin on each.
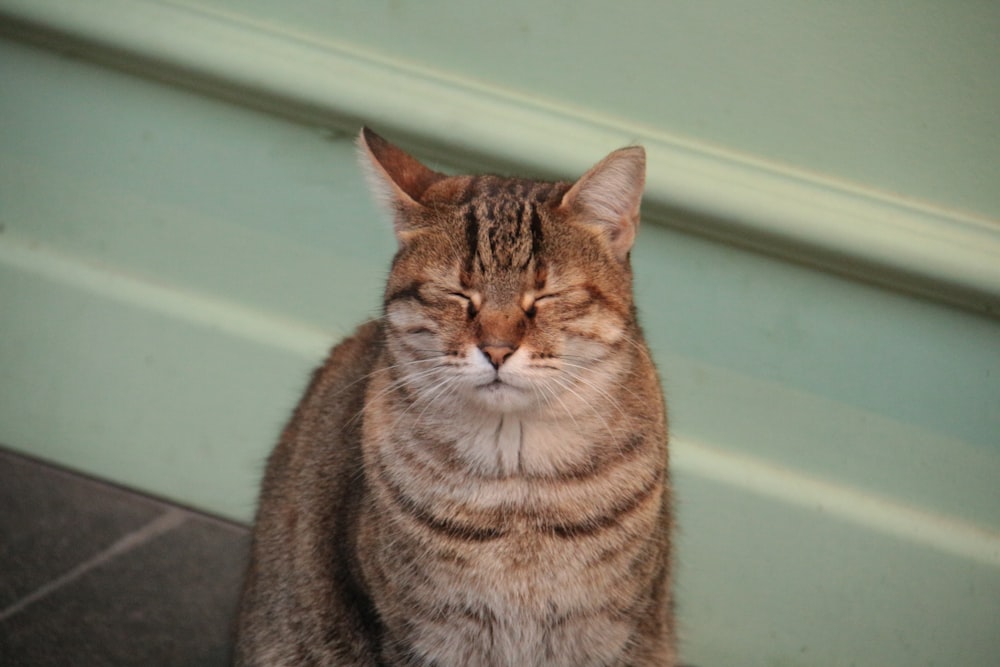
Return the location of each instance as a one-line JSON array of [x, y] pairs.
[[504, 445]]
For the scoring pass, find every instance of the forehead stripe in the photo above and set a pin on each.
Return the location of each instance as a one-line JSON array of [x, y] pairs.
[[471, 238], [536, 231]]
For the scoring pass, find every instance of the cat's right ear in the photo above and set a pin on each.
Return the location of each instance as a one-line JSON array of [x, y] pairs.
[[397, 179]]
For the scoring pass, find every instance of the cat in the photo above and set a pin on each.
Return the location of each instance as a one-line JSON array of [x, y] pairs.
[[479, 476]]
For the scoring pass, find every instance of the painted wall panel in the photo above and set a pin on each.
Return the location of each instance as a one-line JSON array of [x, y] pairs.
[[898, 96], [764, 584], [863, 230]]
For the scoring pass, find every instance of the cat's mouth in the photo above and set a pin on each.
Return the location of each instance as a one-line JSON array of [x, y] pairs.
[[496, 384], [503, 396]]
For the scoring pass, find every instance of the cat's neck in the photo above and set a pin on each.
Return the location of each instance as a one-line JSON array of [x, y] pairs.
[[539, 444]]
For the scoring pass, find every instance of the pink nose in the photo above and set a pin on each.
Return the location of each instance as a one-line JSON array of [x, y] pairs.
[[497, 354]]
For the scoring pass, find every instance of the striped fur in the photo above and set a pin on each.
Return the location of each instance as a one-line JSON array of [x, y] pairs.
[[480, 476]]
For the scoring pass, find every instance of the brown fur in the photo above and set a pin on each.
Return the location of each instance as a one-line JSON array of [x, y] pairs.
[[480, 476]]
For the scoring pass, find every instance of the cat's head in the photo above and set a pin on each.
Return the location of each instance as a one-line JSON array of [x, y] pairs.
[[509, 294]]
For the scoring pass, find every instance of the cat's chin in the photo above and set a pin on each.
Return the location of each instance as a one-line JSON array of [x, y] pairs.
[[499, 396]]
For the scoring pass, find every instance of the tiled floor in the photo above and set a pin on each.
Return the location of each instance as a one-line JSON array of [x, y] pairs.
[[91, 574]]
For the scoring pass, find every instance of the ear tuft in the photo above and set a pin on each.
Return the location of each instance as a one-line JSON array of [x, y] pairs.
[[608, 197], [397, 179]]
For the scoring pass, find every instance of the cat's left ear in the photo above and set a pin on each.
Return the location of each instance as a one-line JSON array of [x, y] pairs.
[[396, 178], [608, 197]]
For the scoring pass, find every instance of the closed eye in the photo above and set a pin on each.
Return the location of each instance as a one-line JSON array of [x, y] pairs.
[[531, 307], [542, 298], [470, 301]]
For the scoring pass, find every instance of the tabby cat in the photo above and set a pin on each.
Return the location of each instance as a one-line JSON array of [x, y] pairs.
[[478, 477]]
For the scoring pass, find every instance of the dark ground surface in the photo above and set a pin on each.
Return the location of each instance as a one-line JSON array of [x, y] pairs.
[[92, 574]]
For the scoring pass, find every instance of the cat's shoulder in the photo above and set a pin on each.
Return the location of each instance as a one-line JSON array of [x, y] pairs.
[[351, 358], [339, 380], [357, 349]]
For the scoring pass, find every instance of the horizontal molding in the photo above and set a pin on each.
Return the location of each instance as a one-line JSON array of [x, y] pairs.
[[875, 236], [877, 513], [228, 317]]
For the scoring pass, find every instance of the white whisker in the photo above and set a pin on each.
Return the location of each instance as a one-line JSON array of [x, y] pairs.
[[403, 381], [567, 385], [604, 393]]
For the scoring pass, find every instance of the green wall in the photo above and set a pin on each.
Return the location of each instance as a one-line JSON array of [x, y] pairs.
[[898, 96], [172, 265]]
